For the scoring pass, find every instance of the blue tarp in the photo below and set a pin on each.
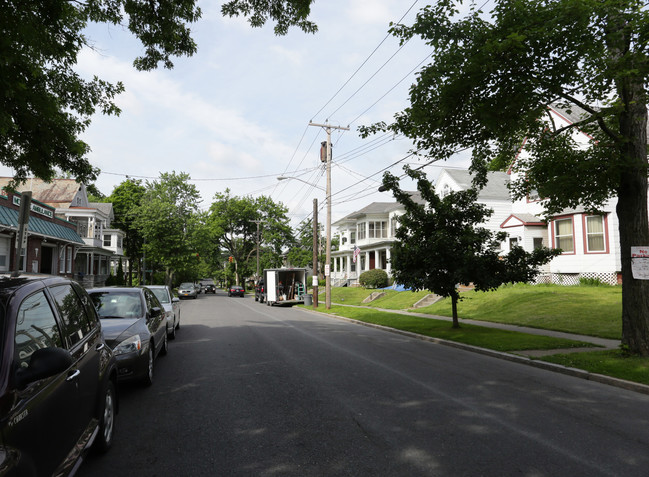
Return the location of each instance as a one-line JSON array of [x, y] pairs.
[[397, 287]]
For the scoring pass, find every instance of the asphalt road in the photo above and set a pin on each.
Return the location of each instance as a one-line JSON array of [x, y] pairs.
[[252, 390]]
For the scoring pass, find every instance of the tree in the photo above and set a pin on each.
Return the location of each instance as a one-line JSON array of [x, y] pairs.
[[300, 253], [168, 218], [233, 224], [45, 105], [488, 87], [441, 244], [126, 198]]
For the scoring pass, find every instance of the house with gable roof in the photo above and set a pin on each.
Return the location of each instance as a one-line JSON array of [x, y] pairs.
[[51, 243], [589, 242], [101, 247]]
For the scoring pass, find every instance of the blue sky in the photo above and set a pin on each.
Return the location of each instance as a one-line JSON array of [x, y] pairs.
[[236, 115]]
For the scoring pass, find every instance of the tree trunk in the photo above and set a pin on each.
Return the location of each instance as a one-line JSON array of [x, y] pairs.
[[632, 191], [633, 220], [454, 298]]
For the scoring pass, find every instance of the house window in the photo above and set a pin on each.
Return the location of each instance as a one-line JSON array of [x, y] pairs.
[[62, 260], [119, 241], [394, 223], [595, 240], [107, 240], [69, 260], [538, 242], [513, 242], [563, 235], [378, 229], [361, 231]]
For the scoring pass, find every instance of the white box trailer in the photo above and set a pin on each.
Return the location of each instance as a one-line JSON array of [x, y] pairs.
[[284, 286]]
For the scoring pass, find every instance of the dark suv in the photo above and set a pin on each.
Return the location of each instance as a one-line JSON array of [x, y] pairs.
[[260, 291], [57, 377]]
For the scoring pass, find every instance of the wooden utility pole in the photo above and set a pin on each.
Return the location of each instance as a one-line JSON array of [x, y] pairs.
[[327, 270], [315, 253]]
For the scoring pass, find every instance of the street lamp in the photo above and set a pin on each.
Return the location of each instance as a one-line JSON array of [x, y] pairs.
[[285, 178]]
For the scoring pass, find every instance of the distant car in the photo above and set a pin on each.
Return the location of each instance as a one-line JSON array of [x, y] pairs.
[[199, 288], [210, 288], [236, 290], [187, 290], [171, 305], [260, 291], [58, 377], [134, 326]]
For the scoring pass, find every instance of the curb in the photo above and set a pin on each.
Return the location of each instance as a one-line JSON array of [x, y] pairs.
[[557, 368]]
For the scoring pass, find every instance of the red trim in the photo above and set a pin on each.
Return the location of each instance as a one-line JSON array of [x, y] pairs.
[[554, 232], [522, 222], [585, 234]]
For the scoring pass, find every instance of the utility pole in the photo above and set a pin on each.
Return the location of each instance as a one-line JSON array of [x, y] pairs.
[[328, 129], [315, 254], [258, 222]]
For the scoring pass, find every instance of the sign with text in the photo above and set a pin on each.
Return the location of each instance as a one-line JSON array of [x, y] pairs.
[[640, 262]]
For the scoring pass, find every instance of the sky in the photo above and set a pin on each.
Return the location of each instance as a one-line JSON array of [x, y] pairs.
[[237, 114]]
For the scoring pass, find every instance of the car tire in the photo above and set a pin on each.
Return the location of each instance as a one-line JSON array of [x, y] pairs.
[[195, 296], [107, 412], [172, 334], [165, 344], [147, 380]]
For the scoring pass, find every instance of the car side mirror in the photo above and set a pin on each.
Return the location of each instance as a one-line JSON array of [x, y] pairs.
[[175, 300], [44, 362], [156, 311]]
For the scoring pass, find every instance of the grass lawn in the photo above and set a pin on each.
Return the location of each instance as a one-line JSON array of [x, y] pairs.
[[490, 338], [609, 363]]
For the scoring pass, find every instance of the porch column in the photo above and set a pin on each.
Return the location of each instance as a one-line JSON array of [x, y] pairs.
[[388, 264]]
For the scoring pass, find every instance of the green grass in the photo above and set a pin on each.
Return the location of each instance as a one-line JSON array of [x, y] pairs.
[[609, 363], [490, 338], [593, 311]]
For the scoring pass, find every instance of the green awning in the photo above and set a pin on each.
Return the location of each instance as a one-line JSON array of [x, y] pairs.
[[37, 226]]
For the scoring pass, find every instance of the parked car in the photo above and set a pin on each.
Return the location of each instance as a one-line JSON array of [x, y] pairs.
[[199, 288], [134, 326], [58, 378], [171, 305], [236, 290], [260, 291], [187, 290]]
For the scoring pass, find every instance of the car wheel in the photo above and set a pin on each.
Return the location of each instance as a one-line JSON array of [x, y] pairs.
[[148, 378], [195, 296], [172, 334], [106, 419], [165, 345]]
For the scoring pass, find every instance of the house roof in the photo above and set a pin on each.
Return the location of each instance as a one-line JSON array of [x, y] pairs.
[[57, 193], [9, 218], [496, 187], [104, 207], [378, 208]]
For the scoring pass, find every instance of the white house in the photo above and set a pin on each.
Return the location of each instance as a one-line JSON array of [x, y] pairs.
[[590, 242]]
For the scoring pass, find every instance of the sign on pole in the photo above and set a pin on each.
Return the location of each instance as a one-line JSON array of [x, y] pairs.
[[640, 262]]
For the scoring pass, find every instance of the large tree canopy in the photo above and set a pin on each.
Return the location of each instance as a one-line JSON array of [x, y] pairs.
[[45, 105], [488, 86]]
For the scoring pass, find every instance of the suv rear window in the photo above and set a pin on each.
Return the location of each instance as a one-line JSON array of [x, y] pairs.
[[36, 328]]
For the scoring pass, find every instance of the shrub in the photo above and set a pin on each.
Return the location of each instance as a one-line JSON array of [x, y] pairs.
[[591, 282], [376, 278]]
